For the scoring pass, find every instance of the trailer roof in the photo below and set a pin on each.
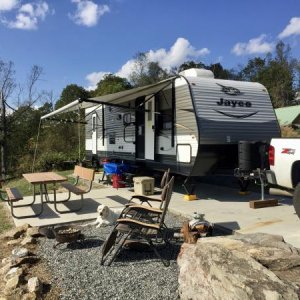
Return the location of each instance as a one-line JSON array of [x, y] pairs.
[[116, 98]]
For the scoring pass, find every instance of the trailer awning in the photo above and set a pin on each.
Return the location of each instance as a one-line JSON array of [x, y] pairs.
[[116, 98]]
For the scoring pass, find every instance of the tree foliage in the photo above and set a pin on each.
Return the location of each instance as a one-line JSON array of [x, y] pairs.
[[111, 84], [71, 93], [277, 73], [219, 71], [146, 72]]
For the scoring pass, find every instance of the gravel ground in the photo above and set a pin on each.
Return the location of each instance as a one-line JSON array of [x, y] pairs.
[[77, 271]]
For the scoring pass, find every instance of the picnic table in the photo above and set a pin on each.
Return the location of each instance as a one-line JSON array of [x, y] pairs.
[[43, 179]]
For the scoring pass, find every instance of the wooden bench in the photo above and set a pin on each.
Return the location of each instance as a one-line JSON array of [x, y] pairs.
[[14, 195], [81, 174]]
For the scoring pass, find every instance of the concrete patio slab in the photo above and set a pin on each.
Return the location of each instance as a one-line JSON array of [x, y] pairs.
[[222, 206]]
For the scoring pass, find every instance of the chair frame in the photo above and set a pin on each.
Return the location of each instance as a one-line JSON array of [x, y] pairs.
[[140, 224]]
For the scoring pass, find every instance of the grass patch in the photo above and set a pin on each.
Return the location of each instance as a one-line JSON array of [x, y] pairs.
[[5, 222]]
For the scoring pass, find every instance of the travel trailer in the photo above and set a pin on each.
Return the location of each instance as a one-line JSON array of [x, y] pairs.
[[191, 123]]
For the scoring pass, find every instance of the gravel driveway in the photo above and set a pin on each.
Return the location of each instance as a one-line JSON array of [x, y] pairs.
[[77, 271]]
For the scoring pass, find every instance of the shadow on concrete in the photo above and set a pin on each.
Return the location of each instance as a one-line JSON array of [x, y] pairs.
[[48, 213], [89, 206], [119, 199]]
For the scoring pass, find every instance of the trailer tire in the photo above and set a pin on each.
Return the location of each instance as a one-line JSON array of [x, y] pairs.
[[296, 199]]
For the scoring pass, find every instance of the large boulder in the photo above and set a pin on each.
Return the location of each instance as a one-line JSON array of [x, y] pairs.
[[254, 266]]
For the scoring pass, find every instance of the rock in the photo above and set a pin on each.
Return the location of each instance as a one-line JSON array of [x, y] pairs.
[[12, 273], [13, 242], [28, 241], [34, 285], [16, 232], [239, 267], [25, 260], [20, 252], [3, 298], [5, 269], [29, 296], [33, 232], [5, 260], [11, 284]]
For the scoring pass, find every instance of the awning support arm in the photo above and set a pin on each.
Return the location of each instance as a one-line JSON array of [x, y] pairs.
[[110, 104]]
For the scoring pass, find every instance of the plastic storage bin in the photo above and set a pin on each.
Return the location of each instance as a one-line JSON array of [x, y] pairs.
[[143, 185]]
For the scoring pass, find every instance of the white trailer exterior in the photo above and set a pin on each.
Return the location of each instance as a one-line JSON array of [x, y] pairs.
[[190, 123]]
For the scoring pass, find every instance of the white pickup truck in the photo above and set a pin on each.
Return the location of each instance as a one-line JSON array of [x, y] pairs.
[[284, 160]]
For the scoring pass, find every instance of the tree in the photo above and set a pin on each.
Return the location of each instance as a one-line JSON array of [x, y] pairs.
[[71, 93], [277, 74], [7, 85], [146, 72], [190, 64], [220, 72], [111, 84], [254, 70], [217, 69]]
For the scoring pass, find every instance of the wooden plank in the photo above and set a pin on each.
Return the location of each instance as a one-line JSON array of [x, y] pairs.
[[84, 173], [13, 194], [263, 203], [72, 188], [44, 177]]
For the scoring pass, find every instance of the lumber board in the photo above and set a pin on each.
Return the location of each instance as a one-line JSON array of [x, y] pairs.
[[263, 203]]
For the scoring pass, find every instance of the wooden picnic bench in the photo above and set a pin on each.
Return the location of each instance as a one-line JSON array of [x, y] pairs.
[[81, 174], [13, 195]]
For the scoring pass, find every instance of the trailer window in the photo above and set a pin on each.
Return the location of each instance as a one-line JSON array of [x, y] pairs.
[[112, 138], [94, 123]]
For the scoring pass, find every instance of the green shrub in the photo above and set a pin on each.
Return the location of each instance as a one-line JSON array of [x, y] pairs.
[[51, 160]]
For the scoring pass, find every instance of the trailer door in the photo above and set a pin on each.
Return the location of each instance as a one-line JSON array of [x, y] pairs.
[[94, 134], [149, 130]]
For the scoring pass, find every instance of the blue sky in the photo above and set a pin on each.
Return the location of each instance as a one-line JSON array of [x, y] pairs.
[[77, 41]]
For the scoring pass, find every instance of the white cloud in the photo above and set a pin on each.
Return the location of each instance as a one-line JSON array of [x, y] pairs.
[[88, 13], [293, 28], [126, 69], [28, 16], [93, 79], [179, 52], [6, 5], [253, 46]]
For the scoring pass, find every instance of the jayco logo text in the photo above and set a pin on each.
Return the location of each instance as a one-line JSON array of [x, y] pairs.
[[233, 103]]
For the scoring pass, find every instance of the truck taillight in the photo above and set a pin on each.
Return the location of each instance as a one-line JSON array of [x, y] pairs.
[[271, 155]]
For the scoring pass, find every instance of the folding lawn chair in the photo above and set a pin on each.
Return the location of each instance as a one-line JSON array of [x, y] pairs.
[[139, 223]]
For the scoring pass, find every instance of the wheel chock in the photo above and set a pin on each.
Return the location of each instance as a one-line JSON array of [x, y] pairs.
[[244, 193], [190, 197]]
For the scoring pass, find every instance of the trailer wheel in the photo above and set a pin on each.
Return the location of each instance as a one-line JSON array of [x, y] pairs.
[[296, 199]]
